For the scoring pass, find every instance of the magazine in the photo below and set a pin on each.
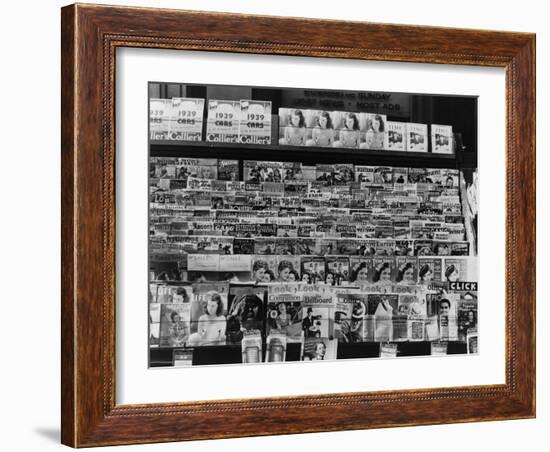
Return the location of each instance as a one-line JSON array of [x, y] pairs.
[[442, 139], [396, 136], [174, 324], [417, 137], [319, 349], [347, 128], [382, 271], [373, 130], [186, 119], [467, 314], [406, 270], [260, 171], [337, 270], [320, 128], [383, 307], [284, 312], [429, 269], [228, 170], [208, 314], [317, 307], [222, 124], [292, 127], [364, 174], [472, 341], [313, 269], [160, 111], [255, 122]]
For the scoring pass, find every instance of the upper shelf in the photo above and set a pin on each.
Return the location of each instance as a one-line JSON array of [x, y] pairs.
[[306, 154]]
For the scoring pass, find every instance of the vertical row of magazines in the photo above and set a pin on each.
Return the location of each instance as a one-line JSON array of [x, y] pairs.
[[262, 261], [249, 122]]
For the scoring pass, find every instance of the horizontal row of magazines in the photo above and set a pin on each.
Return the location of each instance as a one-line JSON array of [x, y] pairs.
[[162, 169], [298, 213], [265, 317], [275, 349], [249, 121], [331, 270]]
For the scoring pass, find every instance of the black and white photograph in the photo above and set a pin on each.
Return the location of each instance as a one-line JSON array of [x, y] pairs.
[[280, 233]]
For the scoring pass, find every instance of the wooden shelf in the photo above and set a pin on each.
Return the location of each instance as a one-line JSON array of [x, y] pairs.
[[305, 154]]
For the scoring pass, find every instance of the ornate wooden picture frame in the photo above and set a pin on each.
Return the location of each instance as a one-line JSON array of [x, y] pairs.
[[90, 38]]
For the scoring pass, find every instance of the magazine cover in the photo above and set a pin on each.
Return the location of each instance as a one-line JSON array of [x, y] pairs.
[[445, 307], [429, 269], [467, 314], [337, 270], [284, 312], [417, 137], [472, 341], [400, 176], [320, 129], [264, 268], [324, 174], [186, 119], [382, 271], [359, 270], [395, 137], [373, 128], [342, 315], [313, 269], [346, 125], [242, 245], [383, 175], [198, 168], [317, 307], [406, 270], [222, 125], [288, 269], [319, 349], [160, 111], [208, 314], [255, 122], [412, 305], [292, 127], [174, 324], [245, 311], [364, 174], [416, 175], [171, 293], [442, 139], [343, 174], [260, 171], [460, 269], [228, 170], [383, 307], [359, 328]]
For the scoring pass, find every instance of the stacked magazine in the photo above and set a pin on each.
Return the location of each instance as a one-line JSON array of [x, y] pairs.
[[285, 261]]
